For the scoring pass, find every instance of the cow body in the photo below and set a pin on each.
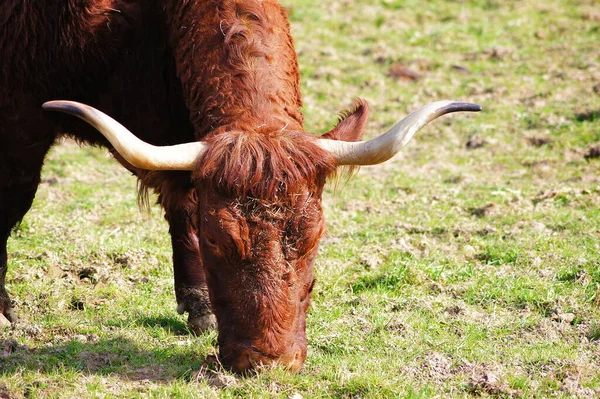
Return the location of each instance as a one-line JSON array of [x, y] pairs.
[[242, 194], [114, 55], [176, 72]]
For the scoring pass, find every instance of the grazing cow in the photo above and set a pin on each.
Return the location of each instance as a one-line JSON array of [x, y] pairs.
[[214, 99]]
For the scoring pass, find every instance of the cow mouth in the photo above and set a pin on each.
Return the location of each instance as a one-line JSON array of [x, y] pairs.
[[249, 359]]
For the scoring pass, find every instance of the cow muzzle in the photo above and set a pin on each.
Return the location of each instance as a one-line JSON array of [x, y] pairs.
[[249, 359]]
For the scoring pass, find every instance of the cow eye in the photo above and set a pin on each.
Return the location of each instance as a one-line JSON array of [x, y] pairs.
[[288, 278], [309, 291], [312, 285], [210, 242]]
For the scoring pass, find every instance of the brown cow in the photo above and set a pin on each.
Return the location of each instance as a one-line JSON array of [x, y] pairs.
[[253, 221]]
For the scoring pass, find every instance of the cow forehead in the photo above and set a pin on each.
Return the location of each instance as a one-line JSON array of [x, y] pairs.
[[269, 168], [284, 203], [288, 214], [253, 229]]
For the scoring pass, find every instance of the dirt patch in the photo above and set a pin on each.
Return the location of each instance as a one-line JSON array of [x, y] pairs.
[[539, 141], [477, 379], [150, 373], [438, 365], [587, 116], [370, 260], [457, 232], [215, 379], [5, 393], [494, 53], [571, 376], [96, 361], [397, 327], [460, 69], [475, 141], [571, 384], [484, 381], [592, 152], [401, 72], [591, 16], [9, 347], [483, 211], [550, 330], [535, 100], [454, 310]]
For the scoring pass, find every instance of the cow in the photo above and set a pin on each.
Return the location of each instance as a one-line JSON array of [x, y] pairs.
[[212, 93]]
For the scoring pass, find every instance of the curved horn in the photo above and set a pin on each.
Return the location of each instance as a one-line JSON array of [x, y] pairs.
[[135, 151], [385, 146]]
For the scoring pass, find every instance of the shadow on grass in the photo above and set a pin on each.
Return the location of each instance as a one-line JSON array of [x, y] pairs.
[[172, 325], [587, 116], [116, 356]]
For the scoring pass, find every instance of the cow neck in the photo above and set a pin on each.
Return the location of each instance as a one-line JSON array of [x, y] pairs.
[[237, 64]]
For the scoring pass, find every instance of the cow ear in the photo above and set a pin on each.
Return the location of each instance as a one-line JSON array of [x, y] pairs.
[[352, 123]]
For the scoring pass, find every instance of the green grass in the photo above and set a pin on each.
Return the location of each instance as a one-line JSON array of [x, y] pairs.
[[447, 272]]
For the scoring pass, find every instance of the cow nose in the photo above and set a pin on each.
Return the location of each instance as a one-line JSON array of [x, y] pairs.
[[250, 359]]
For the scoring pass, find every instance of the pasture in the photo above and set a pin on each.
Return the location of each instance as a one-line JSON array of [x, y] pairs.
[[467, 266]]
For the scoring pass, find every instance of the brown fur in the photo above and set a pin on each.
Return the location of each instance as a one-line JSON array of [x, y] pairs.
[[242, 72], [261, 182], [261, 221], [262, 165], [250, 216]]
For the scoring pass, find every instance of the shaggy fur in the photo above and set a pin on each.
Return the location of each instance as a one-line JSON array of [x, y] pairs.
[[262, 165], [248, 220], [237, 64]]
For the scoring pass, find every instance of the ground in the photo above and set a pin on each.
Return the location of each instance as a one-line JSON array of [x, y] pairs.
[[467, 266]]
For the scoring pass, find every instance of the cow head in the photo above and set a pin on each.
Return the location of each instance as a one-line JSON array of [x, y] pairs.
[[260, 221], [260, 217]]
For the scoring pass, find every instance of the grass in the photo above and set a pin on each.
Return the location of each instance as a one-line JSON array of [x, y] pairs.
[[447, 272]]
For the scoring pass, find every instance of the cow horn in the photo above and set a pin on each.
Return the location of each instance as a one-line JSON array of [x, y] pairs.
[[385, 146], [135, 151]]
